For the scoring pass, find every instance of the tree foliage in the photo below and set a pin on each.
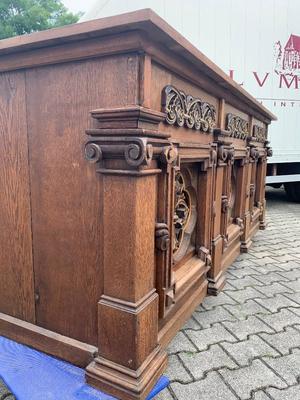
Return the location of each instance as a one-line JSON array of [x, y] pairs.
[[25, 16]]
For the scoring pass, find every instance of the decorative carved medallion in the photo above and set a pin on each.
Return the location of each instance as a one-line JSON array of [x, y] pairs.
[[259, 133], [182, 109], [182, 210], [237, 126]]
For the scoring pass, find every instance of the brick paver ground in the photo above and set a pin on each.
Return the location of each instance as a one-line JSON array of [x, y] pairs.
[[245, 343]]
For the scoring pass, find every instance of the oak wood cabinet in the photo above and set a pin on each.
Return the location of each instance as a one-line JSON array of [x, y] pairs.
[[132, 174]]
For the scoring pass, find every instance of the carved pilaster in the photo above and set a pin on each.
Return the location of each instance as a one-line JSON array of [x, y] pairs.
[[129, 151]]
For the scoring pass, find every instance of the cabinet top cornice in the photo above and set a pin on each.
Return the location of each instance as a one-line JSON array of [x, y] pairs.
[[145, 22]]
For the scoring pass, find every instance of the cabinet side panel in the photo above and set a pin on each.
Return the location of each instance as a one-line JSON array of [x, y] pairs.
[[16, 269], [66, 193]]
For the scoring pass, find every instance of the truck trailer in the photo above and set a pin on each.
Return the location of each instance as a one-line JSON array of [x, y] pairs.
[[257, 44]]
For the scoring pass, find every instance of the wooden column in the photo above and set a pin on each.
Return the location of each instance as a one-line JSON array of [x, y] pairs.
[[130, 359], [225, 155]]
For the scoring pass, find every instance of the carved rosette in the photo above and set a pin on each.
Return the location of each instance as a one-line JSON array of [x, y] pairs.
[[237, 126], [259, 133], [186, 110]]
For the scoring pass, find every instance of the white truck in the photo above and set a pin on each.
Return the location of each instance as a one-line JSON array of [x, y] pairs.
[[258, 44]]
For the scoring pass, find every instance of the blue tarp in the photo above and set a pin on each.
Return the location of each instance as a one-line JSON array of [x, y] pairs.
[[32, 375]]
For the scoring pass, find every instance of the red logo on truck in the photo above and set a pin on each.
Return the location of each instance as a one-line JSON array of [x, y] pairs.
[[288, 59]]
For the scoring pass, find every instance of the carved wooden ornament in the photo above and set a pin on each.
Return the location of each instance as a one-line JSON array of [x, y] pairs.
[[237, 126], [182, 109]]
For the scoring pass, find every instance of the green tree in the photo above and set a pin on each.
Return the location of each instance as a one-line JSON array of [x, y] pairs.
[[25, 16]]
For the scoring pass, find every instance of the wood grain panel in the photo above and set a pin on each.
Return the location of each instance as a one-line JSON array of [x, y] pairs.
[[66, 199], [16, 271]]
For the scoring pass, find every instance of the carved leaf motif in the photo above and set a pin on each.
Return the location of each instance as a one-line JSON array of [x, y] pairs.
[[260, 133], [237, 126], [182, 109]]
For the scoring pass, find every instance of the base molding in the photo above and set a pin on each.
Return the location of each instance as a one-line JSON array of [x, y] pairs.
[[123, 382], [178, 316], [49, 342], [216, 285], [245, 246]]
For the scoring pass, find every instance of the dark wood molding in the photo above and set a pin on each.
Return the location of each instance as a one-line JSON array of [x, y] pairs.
[[49, 342]]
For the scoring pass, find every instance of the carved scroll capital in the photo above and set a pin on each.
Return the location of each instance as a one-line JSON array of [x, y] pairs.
[[254, 153], [225, 153], [269, 151], [185, 110], [162, 237], [237, 126], [137, 152]]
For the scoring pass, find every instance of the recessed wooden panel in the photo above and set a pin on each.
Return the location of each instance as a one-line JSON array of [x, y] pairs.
[[16, 270], [66, 203]]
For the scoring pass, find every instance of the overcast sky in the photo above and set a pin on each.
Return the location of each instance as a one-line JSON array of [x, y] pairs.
[[79, 5]]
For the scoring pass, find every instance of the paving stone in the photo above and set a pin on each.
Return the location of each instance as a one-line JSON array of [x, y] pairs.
[[250, 307], [260, 252], [191, 324], [285, 258], [245, 380], [210, 388], [293, 285], [207, 318], [290, 265], [180, 343], [273, 304], [202, 339], [243, 263], [291, 393], [228, 286], [200, 363], [242, 283], [260, 395], [240, 296], [244, 352], [240, 273], [213, 301], [273, 289], [281, 319], [251, 325], [164, 395], [271, 277], [283, 341], [176, 371], [288, 367], [291, 275], [295, 297], [268, 261]]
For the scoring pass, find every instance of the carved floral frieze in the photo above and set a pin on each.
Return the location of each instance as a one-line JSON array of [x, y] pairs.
[[185, 110], [259, 133], [237, 126]]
